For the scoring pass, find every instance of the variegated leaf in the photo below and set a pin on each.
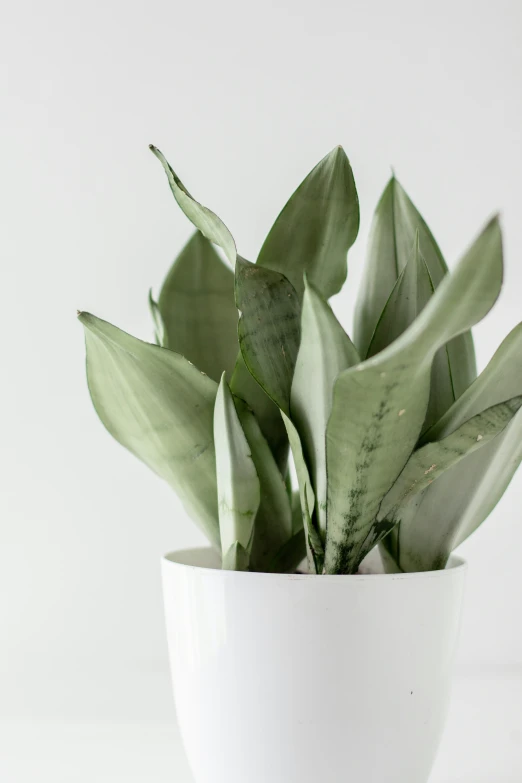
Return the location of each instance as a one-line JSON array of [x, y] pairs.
[[387, 398]]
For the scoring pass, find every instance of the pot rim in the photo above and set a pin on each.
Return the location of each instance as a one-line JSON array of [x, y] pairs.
[[181, 559]]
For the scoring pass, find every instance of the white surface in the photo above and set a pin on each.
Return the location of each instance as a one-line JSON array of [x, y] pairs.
[[245, 98], [134, 744], [317, 669]]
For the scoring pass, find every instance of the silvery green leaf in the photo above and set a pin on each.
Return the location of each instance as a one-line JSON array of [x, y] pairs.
[[291, 555], [314, 544], [387, 398], [293, 551], [432, 460], [470, 490], [273, 527], [159, 326], [242, 384], [160, 407], [198, 311], [203, 218], [297, 514], [495, 480], [238, 484], [392, 236], [501, 380], [236, 558], [324, 352], [410, 294], [269, 328], [267, 413], [316, 228]]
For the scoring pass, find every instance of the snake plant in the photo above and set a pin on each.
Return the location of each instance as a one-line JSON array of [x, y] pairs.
[[396, 442]]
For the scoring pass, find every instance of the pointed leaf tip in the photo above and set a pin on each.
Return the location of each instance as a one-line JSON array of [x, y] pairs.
[[196, 303], [393, 382], [495, 221], [90, 322], [84, 317], [206, 221], [392, 235], [316, 227]]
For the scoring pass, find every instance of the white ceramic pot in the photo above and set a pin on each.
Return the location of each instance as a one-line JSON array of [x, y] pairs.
[[299, 679]]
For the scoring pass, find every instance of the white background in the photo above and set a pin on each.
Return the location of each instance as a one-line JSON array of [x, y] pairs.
[[244, 98]]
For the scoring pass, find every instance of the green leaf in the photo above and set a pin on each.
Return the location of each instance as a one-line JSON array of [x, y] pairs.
[[470, 490], [269, 328], [324, 352], [269, 332], [291, 555], [387, 398], [267, 413], [316, 228], [314, 544], [392, 236], [203, 218], [159, 326], [412, 291], [236, 558], [501, 380], [431, 461], [242, 383], [198, 309], [297, 513], [160, 407], [238, 485], [273, 528], [410, 294]]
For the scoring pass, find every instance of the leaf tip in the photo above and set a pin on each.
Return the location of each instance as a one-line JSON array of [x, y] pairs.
[[337, 155], [155, 151], [84, 317]]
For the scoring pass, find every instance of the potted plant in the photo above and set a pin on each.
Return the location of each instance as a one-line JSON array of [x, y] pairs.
[[329, 672]]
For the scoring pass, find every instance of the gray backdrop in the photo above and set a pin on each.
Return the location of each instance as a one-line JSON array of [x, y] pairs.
[[244, 98]]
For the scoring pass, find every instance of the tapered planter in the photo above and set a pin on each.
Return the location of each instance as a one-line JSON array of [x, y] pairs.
[[298, 679]]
